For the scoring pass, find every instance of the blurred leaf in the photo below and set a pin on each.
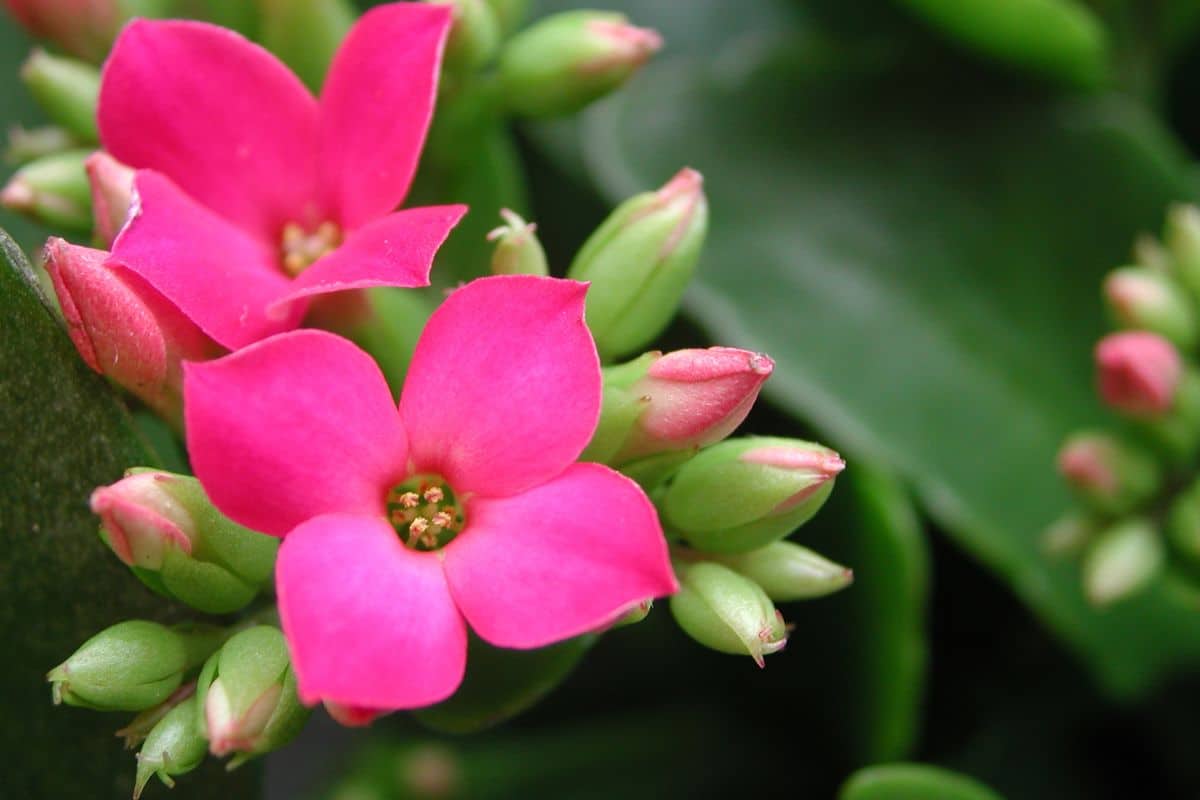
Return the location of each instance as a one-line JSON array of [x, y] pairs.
[[502, 683], [66, 432], [913, 782], [923, 265]]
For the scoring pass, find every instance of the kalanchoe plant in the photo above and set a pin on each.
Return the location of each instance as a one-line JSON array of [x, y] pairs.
[[1136, 523]]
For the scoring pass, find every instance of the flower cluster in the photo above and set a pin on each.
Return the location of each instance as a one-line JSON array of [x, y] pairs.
[[1139, 491], [524, 489]]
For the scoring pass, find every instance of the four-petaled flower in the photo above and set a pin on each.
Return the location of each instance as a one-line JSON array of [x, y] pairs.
[[465, 502], [252, 195]]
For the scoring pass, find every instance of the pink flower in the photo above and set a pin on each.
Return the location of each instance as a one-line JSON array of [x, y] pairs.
[[1138, 372], [252, 195], [466, 503]]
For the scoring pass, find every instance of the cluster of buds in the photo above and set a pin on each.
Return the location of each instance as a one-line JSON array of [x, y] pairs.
[[666, 418], [1138, 489]]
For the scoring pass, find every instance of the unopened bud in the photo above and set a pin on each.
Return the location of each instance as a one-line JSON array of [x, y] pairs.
[[29, 144], [566, 60], [728, 612], [132, 665], [66, 89], [1143, 299], [1183, 524], [140, 726], [474, 35], [1182, 237], [52, 190], [1149, 253], [639, 261], [743, 494], [123, 328], [1138, 373], [684, 400], [83, 28], [305, 34], [353, 716], [518, 251], [1069, 535], [635, 614], [1122, 561], [1110, 476], [787, 571], [173, 747], [111, 185], [509, 13], [164, 526], [248, 695]]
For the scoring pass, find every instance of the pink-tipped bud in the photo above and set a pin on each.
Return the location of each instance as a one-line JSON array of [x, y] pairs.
[[1141, 298], [229, 732], [83, 28], [626, 46], [122, 327], [352, 716], [112, 193], [1107, 474], [694, 398], [143, 520], [1138, 373]]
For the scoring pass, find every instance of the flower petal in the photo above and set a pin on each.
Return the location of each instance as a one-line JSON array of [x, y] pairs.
[[565, 558], [369, 622], [219, 115], [295, 426], [375, 109], [219, 276], [395, 250], [504, 388]]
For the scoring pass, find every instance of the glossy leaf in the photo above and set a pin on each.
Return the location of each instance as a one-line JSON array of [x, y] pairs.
[[913, 782]]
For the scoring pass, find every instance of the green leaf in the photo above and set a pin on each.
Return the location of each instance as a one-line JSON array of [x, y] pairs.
[[66, 432], [923, 265], [913, 782], [500, 683]]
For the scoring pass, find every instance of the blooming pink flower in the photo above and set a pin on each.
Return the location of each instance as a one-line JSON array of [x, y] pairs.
[[464, 503], [252, 195]]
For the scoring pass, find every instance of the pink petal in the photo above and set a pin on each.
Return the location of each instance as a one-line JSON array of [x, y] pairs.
[[369, 622], [219, 115], [504, 388], [565, 558], [222, 278], [376, 107], [394, 250], [295, 426]]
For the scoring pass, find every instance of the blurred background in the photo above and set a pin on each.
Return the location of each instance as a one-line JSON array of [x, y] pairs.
[[912, 211]]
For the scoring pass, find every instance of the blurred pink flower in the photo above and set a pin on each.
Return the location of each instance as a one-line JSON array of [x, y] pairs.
[[252, 195], [1138, 372]]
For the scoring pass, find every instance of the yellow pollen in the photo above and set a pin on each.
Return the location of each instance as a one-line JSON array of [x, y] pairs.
[[299, 248]]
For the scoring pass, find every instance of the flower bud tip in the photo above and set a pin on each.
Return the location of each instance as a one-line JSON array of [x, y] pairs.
[[17, 195], [630, 45], [1138, 372]]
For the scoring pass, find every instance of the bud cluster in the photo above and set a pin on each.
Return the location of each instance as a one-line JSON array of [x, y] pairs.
[[1137, 483]]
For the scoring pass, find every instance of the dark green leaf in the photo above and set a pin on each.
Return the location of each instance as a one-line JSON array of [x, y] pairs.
[[913, 782]]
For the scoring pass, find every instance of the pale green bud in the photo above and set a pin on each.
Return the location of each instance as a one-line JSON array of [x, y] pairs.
[[728, 612], [174, 746], [787, 571], [53, 190], [474, 34], [1122, 561], [66, 89], [518, 251], [1143, 299]]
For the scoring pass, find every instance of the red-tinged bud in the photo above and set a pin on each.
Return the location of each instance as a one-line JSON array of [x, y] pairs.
[[1140, 298], [353, 716], [112, 193], [1110, 476], [143, 520], [1138, 373], [123, 328], [83, 28]]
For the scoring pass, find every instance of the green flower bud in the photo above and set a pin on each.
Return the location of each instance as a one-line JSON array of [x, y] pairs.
[[132, 665], [1108, 475], [247, 695], [174, 746], [1122, 561], [1149, 253], [140, 726], [565, 61], [28, 144], [727, 612], [518, 251], [474, 35], [1143, 299], [636, 614], [164, 527], [509, 13], [742, 494], [1069, 535], [305, 34], [66, 89], [1182, 237], [787, 571], [53, 190], [639, 261]]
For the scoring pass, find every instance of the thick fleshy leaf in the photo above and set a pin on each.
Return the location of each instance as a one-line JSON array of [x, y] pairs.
[[376, 107], [217, 114], [913, 782], [296, 426], [369, 622], [219, 276], [559, 560], [395, 250], [504, 388]]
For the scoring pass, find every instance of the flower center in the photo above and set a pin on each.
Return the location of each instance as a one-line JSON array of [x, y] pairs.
[[299, 248], [424, 513]]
